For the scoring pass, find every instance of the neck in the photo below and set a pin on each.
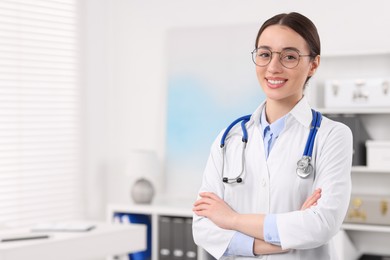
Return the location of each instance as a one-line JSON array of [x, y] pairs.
[[275, 109]]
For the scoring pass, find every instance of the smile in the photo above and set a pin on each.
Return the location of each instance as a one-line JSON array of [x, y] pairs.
[[275, 82]]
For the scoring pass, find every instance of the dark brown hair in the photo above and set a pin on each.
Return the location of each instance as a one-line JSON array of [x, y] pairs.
[[300, 24]]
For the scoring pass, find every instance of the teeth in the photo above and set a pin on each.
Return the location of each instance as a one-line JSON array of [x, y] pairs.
[[274, 82]]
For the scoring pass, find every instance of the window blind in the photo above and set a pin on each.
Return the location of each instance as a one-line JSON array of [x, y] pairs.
[[40, 131]]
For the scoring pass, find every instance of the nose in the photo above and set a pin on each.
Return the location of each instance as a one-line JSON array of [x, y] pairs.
[[274, 65]]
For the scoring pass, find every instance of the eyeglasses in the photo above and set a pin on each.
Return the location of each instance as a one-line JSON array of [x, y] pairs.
[[289, 58]]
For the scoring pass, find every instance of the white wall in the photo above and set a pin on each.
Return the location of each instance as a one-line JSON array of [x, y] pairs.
[[125, 69], [96, 85]]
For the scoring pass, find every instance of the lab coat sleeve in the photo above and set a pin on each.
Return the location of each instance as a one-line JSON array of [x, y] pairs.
[[315, 226], [206, 234]]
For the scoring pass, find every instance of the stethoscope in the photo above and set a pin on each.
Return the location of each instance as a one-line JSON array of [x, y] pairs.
[[304, 166]]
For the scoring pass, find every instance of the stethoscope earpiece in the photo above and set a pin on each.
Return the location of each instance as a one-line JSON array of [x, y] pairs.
[[230, 181]]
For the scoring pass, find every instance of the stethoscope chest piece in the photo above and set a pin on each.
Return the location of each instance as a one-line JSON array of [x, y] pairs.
[[304, 167]]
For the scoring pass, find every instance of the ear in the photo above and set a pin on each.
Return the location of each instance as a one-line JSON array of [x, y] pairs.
[[315, 63]]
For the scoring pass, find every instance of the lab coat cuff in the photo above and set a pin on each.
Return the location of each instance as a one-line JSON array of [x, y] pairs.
[[240, 245], [271, 233]]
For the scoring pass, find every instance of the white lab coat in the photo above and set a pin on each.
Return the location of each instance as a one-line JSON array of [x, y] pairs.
[[272, 185]]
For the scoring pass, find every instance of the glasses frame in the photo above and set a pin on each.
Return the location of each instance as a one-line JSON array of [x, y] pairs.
[[280, 57]]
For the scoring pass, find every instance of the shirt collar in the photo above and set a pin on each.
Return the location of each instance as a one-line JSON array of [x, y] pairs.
[[275, 128], [301, 113]]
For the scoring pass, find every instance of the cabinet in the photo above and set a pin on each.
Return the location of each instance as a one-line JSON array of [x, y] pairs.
[[173, 208], [357, 239]]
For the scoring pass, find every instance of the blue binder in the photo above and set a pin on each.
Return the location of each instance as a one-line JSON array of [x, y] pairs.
[[140, 219]]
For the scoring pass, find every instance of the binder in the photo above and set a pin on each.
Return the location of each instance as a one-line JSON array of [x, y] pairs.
[[178, 238], [191, 249], [360, 136], [164, 238], [141, 219]]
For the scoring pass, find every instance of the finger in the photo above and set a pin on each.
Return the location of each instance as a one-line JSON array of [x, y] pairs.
[[199, 212], [315, 194], [314, 198], [200, 208], [318, 190], [204, 201], [199, 201], [210, 195]]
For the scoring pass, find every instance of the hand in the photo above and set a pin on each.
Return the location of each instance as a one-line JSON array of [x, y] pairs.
[[312, 200], [217, 210]]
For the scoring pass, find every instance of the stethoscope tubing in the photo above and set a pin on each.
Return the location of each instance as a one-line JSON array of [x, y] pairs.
[[307, 154], [315, 125], [244, 120]]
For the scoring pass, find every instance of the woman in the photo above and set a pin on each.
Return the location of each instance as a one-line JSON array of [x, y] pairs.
[[269, 210]]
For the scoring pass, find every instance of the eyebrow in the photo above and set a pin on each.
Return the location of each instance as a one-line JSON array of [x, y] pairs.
[[286, 48]]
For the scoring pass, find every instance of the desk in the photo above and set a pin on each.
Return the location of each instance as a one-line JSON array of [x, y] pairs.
[[104, 240]]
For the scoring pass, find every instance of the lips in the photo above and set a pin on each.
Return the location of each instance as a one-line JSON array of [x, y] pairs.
[[275, 82]]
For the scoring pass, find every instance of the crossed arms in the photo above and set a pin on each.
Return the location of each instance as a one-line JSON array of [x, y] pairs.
[[221, 214]]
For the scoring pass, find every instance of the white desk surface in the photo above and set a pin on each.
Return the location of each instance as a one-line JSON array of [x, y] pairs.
[[173, 207], [104, 240]]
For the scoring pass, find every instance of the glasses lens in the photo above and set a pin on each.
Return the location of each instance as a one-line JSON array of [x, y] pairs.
[[261, 56], [289, 58]]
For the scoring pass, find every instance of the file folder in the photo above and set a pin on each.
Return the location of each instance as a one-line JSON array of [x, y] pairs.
[[164, 238], [178, 240], [191, 249]]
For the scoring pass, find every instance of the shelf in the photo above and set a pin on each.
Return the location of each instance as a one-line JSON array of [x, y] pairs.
[[355, 110], [367, 228], [180, 208], [158, 208], [365, 169]]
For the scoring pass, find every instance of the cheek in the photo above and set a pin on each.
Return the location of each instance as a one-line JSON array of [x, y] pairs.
[[305, 72], [299, 76], [260, 72]]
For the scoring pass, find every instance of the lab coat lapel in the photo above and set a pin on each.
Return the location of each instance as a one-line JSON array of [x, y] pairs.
[[282, 160], [258, 167]]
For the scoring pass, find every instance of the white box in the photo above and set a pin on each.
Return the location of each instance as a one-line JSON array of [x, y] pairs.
[[378, 154], [349, 93]]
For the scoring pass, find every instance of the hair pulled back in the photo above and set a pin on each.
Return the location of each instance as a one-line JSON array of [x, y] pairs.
[[300, 24]]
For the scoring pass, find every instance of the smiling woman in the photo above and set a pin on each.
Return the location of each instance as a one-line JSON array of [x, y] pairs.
[[272, 209], [283, 78]]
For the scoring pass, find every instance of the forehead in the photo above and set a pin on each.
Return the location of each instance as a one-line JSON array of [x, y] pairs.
[[279, 37]]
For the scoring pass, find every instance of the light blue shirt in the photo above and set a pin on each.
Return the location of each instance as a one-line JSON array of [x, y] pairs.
[[271, 131], [242, 244]]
